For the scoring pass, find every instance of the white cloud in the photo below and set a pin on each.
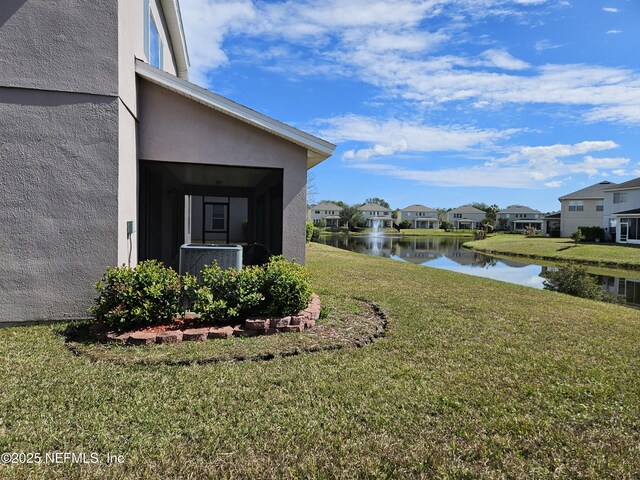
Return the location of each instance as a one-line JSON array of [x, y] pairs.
[[613, 32], [527, 167], [610, 9], [206, 24], [543, 45], [391, 136], [503, 59]]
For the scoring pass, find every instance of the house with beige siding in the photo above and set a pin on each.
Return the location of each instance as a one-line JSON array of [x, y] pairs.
[[466, 217], [110, 155], [329, 212], [373, 213], [519, 217], [583, 208], [419, 216]]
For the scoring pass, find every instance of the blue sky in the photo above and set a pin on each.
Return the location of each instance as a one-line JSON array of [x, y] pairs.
[[439, 102]]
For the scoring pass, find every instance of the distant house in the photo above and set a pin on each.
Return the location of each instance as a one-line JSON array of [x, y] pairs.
[[466, 216], [419, 216], [519, 217], [329, 212], [621, 211], [583, 208], [373, 212]]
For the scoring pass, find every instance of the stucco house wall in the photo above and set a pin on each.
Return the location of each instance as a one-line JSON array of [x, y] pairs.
[[59, 153]]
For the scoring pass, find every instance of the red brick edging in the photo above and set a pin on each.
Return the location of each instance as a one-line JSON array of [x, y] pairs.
[[250, 327]]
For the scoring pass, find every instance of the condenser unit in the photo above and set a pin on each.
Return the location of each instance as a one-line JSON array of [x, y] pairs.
[[194, 257]]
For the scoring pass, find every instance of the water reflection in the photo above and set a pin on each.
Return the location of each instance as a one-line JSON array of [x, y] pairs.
[[447, 253]]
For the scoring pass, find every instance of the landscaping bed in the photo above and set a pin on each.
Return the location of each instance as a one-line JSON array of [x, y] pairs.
[[192, 328], [348, 323]]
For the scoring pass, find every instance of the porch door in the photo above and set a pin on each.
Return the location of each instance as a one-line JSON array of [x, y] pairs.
[[624, 231]]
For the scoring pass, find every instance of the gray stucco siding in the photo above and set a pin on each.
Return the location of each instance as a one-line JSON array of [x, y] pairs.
[[58, 193], [174, 128], [65, 45]]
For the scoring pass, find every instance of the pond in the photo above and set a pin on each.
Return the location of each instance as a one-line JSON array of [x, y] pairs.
[[447, 253]]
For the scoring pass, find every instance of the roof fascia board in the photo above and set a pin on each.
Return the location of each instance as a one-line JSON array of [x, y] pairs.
[[173, 17]]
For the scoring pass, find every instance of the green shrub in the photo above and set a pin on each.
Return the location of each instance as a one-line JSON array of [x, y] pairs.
[[228, 294], [592, 234], [479, 234], [577, 236], [286, 288], [310, 228], [404, 224], [322, 223], [574, 280], [148, 294], [554, 232], [315, 234], [277, 288]]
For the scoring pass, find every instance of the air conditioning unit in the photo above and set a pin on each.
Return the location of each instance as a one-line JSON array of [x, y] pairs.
[[194, 257]]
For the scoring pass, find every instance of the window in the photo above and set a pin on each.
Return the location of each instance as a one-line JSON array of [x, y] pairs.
[[620, 197], [317, 212], [576, 205], [599, 205], [457, 215], [152, 41], [215, 217]]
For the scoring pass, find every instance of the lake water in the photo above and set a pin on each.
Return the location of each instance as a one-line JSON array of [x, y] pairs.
[[447, 253]]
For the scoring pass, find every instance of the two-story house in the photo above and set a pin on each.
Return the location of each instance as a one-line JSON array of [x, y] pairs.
[[329, 212], [519, 217], [466, 217], [621, 212], [110, 155], [374, 213], [419, 216], [583, 208]]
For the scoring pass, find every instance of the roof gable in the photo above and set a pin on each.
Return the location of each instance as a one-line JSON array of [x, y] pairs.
[[592, 191], [373, 207], [416, 207], [317, 148]]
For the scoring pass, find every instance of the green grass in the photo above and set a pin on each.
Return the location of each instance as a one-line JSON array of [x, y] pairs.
[[475, 378], [563, 249]]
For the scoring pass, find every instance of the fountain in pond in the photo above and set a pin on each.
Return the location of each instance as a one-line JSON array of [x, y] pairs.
[[375, 227], [375, 231]]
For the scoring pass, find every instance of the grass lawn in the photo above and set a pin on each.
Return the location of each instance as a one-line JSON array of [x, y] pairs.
[[624, 256], [475, 378]]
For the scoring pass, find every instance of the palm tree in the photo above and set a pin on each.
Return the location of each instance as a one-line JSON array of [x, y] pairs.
[[352, 217]]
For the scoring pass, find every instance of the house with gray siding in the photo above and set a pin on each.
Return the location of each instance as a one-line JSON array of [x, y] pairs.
[[519, 217], [583, 208], [110, 155], [373, 213], [419, 216], [329, 212], [466, 217]]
